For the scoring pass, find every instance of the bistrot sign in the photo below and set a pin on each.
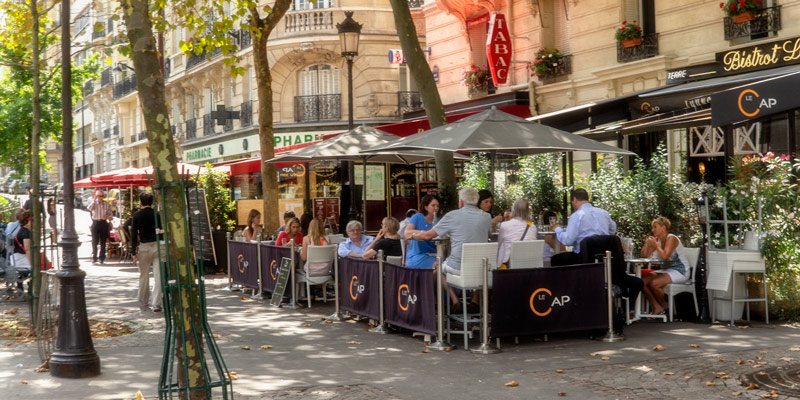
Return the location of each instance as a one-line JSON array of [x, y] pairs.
[[498, 48]]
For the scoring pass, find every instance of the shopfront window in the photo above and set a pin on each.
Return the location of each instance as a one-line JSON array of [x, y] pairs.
[[292, 184], [246, 186]]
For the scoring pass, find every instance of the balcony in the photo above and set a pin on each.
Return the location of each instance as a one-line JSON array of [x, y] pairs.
[[245, 39], [648, 48], [124, 88], [208, 125], [88, 88], [309, 20], [105, 77], [563, 69], [191, 128], [116, 130], [143, 135], [98, 34], [766, 20], [197, 59], [408, 102], [324, 107], [415, 3], [133, 139], [106, 133], [246, 114], [121, 141]]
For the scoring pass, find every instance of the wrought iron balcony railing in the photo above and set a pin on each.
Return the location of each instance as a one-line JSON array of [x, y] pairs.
[[133, 138], [98, 34], [191, 128], [408, 102], [245, 39], [324, 107], [106, 133], [648, 48], [208, 125], [121, 141], [197, 59], [309, 20], [88, 88], [415, 3], [766, 20], [143, 135], [116, 130], [127, 86], [105, 77], [247, 114], [564, 68]]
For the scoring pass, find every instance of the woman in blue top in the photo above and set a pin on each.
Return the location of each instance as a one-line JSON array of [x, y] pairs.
[[422, 254]]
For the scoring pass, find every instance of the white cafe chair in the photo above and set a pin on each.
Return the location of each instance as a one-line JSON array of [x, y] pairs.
[[471, 278], [527, 254], [673, 289], [336, 238], [396, 260], [317, 270]]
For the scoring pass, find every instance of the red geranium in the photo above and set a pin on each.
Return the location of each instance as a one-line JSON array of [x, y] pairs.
[[736, 7]]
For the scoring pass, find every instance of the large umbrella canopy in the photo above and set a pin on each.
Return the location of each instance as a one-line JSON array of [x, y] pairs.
[[497, 132], [108, 178], [350, 145]]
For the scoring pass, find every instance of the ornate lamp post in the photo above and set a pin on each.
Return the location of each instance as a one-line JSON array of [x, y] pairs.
[[74, 355], [701, 203], [349, 34]]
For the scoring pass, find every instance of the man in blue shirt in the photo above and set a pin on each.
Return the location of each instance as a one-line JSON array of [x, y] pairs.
[[586, 221], [356, 243]]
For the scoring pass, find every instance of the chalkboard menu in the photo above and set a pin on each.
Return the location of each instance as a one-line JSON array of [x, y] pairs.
[[200, 225], [280, 284], [325, 208], [427, 187]]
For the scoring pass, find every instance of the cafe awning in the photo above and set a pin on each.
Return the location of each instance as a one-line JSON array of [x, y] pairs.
[[685, 118], [756, 100]]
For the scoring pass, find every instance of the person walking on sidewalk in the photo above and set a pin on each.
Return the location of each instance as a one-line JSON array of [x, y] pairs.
[[101, 215], [145, 250]]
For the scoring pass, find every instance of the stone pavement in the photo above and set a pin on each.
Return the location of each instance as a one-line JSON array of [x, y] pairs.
[[311, 359]]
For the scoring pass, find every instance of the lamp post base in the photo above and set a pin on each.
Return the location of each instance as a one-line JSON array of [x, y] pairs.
[[74, 366]]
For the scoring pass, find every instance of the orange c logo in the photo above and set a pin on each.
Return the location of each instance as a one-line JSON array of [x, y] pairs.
[[240, 261], [399, 296], [354, 280], [741, 109], [541, 314], [272, 269], [302, 170]]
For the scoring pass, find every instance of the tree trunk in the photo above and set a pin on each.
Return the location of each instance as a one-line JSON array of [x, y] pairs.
[[36, 209], [150, 85], [421, 71], [259, 31]]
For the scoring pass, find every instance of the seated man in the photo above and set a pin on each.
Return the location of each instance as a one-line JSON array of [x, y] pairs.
[[586, 221], [356, 243], [468, 224]]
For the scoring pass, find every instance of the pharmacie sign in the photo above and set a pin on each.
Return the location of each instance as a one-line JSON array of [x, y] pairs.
[[758, 57], [498, 48], [245, 145]]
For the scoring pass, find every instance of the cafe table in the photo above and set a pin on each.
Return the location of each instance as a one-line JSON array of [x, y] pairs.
[[635, 265]]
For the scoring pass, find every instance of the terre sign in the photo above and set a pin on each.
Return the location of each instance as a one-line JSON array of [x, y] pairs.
[[498, 48]]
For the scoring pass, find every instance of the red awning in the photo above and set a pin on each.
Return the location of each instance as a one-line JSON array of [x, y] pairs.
[[420, 125], [250, 165]]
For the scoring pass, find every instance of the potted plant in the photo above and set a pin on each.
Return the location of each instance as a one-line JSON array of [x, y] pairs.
[[741, 10], [546, 62], [629, 34], [220, 208], [477, 80]]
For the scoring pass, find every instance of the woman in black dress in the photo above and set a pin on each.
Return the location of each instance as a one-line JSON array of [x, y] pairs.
[[387, 240]]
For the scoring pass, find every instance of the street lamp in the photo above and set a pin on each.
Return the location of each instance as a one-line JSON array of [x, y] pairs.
[[349, 34], [74, 355], [701, 204]]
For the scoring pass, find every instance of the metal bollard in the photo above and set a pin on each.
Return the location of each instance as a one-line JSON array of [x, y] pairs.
[[337, 315], [440, 343], [260, 295], [380, 328], [486, 347], [610, 336], [293, 303], [228, 243]]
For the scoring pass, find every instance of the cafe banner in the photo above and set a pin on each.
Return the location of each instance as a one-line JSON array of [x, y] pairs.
[[408, 298], [243, 258], [548, 300], [358, 286], [271, 263]]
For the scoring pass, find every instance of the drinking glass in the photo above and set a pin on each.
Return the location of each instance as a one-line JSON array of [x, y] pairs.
[[553, 221]]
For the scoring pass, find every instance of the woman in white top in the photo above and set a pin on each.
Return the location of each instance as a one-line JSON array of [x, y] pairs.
[[514, 230], [675, 269], [315, 237]]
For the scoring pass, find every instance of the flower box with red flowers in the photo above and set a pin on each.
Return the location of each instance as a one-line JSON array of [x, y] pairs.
[[742, 10], [629, 34]]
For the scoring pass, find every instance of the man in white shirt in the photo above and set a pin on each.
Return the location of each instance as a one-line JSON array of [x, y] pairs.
[[100, 211]]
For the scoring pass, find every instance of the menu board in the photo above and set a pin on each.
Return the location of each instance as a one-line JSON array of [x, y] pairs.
[[426, 188], [326, 207], [200, 225], [403, 181], [280, 284], [376, 181], [325, 179]]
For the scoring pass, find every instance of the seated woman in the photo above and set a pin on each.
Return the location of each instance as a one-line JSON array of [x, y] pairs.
[[516, 229], [675, 268], [315, 238], [292, 232], [253, 229], [486, 203], [421, 254], [22, 242], [387, 240]]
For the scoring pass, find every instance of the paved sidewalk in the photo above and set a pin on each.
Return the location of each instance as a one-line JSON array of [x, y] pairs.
[[311, 359]]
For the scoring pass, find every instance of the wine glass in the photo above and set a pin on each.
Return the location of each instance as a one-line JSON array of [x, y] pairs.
[[553, 221]]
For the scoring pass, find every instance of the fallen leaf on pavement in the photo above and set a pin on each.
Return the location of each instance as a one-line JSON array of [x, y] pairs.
[[447, 350], [786, 359], [740, 362], [743, 327], [761, 373], [245, 298], [139, 395], [763, 352], [559, 371], [605, 358], [512, 384], [669, 373], [217, 336], [594, 354], [794, 348], [687, 376], [752, 386], [234, 376], [562, 394], [425, 351], [24, 382], [737, 393], [658, 347], [265, 347], [694, 345], [45, 367], [327, 321], [14, 311], [353, 342], [709, 383], [725, 377], [245, 347], [306, 325], [721, 359], [758, 358]]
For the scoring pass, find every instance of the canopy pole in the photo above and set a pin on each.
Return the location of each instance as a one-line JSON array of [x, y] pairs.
[[364, 195], [492, 157], [564, 185]]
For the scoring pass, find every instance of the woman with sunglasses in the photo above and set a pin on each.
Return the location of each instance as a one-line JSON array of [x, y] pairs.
[[668, 247]]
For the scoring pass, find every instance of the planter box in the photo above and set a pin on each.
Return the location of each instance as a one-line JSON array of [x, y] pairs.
[[743, 17], [632, 42]]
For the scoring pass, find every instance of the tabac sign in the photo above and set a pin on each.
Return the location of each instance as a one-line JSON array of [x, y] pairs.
[[498, 48]]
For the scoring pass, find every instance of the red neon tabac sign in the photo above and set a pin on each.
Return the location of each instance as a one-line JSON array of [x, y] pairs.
[[498, 48]]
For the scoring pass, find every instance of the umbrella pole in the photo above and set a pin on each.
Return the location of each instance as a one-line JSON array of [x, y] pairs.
[[492, 156], [364, 195]]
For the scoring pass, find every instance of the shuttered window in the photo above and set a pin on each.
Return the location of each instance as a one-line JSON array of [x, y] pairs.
[[477, 42], [562, 26], [318, 79]]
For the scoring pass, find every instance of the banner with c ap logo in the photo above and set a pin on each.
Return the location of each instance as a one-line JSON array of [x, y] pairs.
[[271, 257], [358, 286], [409, 299], [243, 258]]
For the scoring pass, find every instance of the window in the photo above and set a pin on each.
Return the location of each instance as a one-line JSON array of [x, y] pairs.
[[554, 18], [407, 83], [247, 85], [643, 11], [190, 113], [208, 100], [298, 5], [318, 79], [477, 28]]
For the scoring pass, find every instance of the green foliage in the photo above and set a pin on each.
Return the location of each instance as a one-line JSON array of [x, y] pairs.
[[476, 79], [628, 31], [537, 179], [7, 209], [736, 7], [218, 198], [546, 60], [476, 173]]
